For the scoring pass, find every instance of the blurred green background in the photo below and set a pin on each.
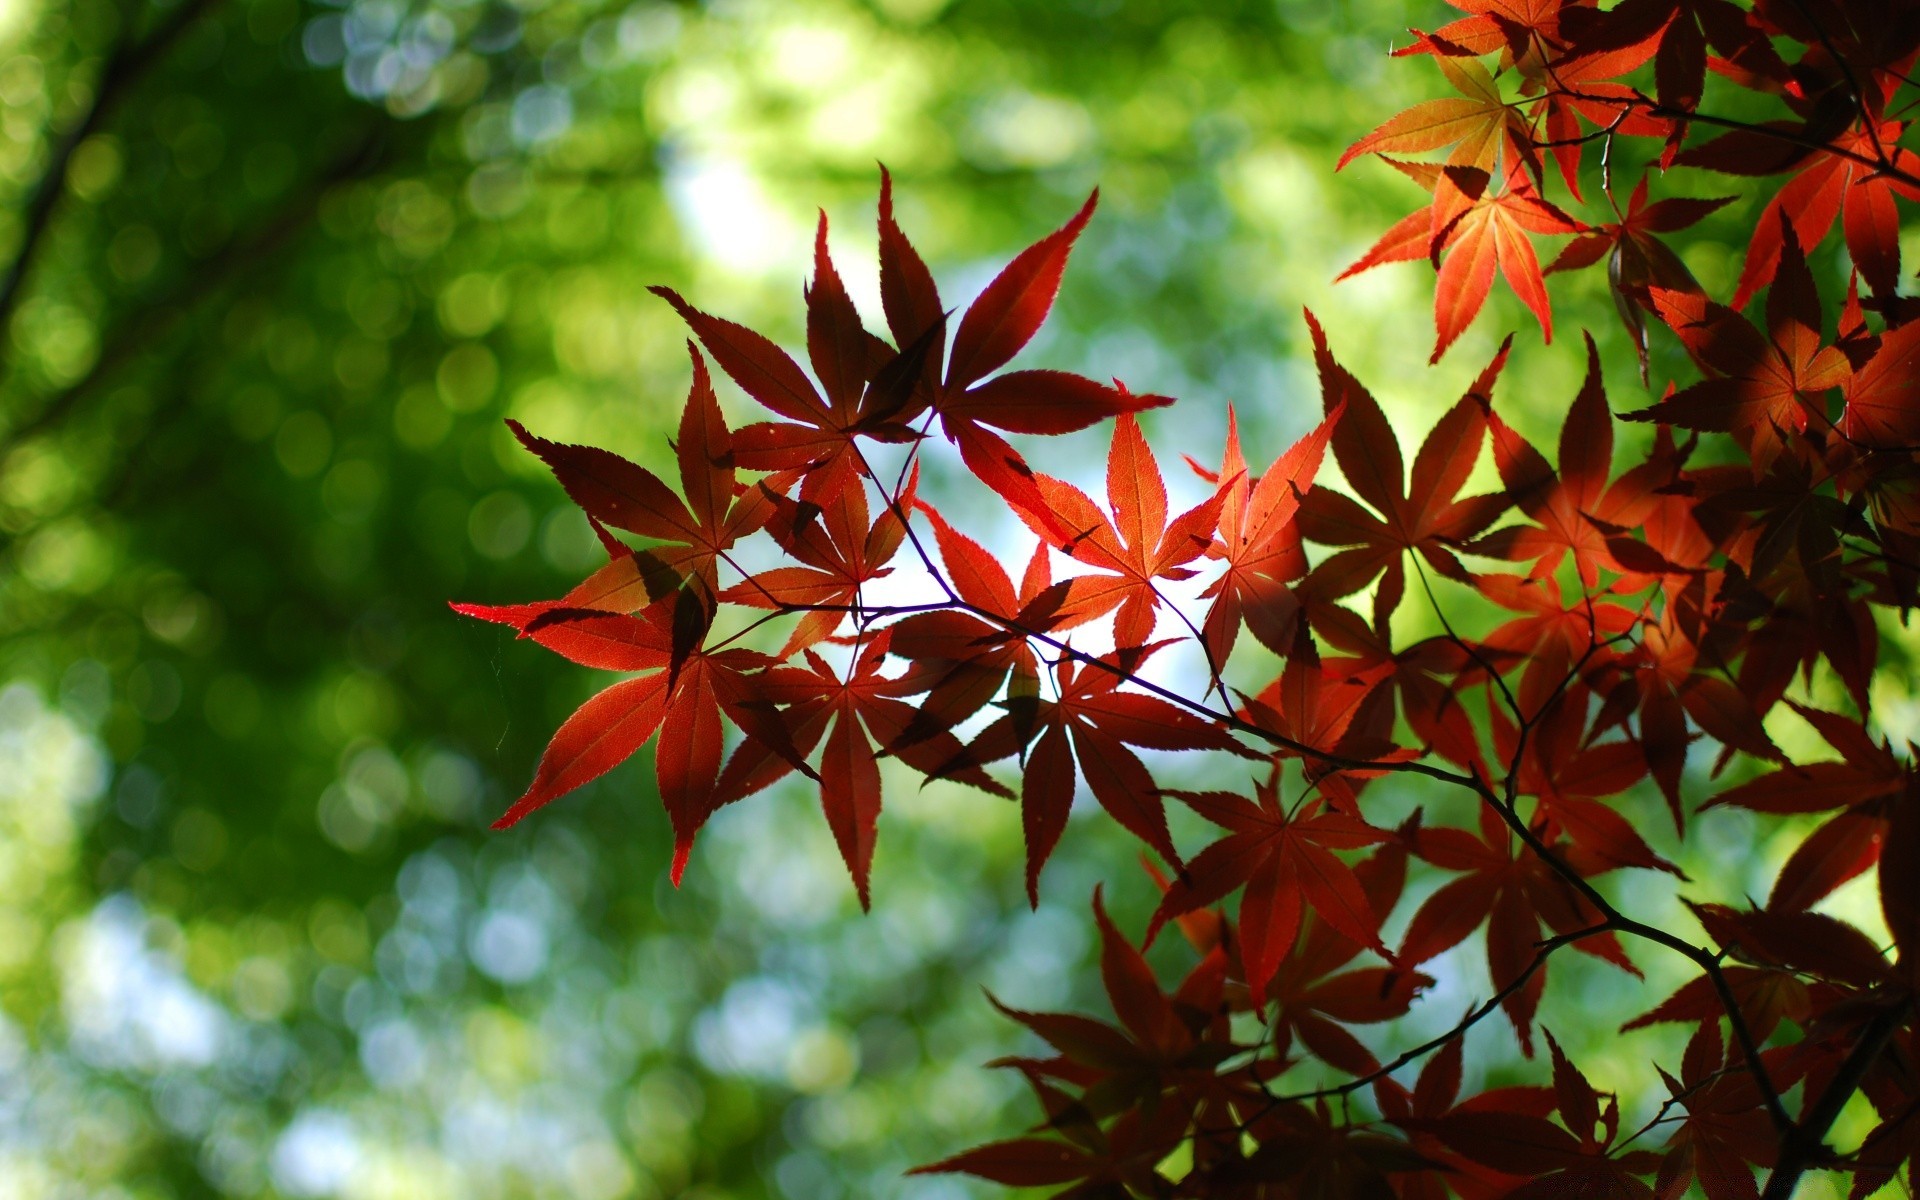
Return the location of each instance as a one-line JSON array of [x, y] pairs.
[[298, 261]]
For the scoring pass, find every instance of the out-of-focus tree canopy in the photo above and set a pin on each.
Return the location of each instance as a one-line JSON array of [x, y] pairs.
[[278, 271]]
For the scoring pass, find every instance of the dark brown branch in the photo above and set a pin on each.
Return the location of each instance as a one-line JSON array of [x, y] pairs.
[[158, 317], [130, 60], [1478, 1014], [1227, 720], [1807, 1148], [1652, 107], [1700, 956]]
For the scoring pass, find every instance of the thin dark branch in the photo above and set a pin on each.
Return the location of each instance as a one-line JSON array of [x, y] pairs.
[[1227, 720], [1790, 136], [1479, 1013], [1706, 960], [157, 317], [130, 60], [1807, 1147], [1466, 647]]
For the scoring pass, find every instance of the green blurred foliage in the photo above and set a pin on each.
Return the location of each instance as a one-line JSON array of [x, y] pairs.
[[254, 937]]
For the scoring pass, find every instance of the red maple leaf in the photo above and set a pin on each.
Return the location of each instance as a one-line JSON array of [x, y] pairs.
[[1094, 721], [1680, 32], [1575, 87], [1138, 546], [972, 655], [1285, 861], [1826, 185], [1556, 641], [839, 553], [1514, 892], [1515, 29], [1318, 708], [1726, 1131], [1426, 517], [1862, 784], [855, 718], [1158, 1069], [1315, 1000], [1475, 124], [682, 697], [1571, 774], [1576, 510], [1883, 393], [1761, 388], [1426, 676], [696, 532], [870, 390], [1259, 541], [994, 328], [1434, 1097], [1492, 233], [1578, 1160], [1471, 230]]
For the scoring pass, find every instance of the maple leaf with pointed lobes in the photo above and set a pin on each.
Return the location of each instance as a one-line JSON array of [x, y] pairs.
[[839, 553], [697, 531], [1578, 1160], [1659, 678], [1469, 231], [1179, 1040], [1426, 517], [1660, 494], [1552, 636], [1139, 545], [1000, 321], [1760, 388], [1113, 1162], [870, 390], [1863, 784], [1317, 707], [1424, 675], [857, 717], [1286, 863], [1492, 234], [972, 657], [1571, 775], [1578, 512], [1513, 28], [1513, 892], [1259, 542], [1883, 394], [1315, 1000], [1765, 997], [682, 698], [1434, 1097], [1094, 721], [1162, 1059], [1827, 185], [1476, 124], [1576, 88], [1726, 1132], [1681, 31], [1637, 260]]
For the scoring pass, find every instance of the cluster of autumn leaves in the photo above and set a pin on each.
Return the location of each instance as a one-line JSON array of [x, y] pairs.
[[1673, 603]]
